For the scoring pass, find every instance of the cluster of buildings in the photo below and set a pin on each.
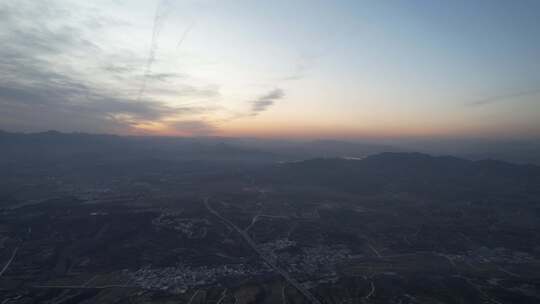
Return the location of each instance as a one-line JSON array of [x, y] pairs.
[[500, 255], [319, 261], [308, 260], [193, 228], [180, 278]]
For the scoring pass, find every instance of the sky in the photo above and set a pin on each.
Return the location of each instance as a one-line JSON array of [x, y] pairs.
[[282, 68]]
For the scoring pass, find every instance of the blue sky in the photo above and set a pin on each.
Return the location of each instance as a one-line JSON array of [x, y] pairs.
[[343, 69]]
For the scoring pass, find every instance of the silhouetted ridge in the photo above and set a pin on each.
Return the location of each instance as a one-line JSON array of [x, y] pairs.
[[54, 146], [416, 173]]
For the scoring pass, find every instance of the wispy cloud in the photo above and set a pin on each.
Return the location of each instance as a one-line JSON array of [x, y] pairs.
[[67, 103], [305, 63], [262, 103], [185, 34], [503, 97], [57, 75]]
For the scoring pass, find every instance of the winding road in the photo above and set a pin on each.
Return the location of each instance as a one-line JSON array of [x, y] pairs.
[[268, 261], [9, 262]]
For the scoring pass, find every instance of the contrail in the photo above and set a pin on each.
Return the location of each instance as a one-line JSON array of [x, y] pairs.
[[156, 29], [497, 98], [184, 35]]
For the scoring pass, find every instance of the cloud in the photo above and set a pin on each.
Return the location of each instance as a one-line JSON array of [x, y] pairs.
[[503, 97], [262, 103], [166, 76], [185, 34], [304, 64], [57, 74], [119, 68], [39, 105], [300, 70]]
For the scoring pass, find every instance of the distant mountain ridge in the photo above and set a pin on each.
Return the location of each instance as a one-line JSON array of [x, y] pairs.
[[55, 145], [443, 176]]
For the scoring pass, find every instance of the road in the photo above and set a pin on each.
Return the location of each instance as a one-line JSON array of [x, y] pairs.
[[193, 296], [268, 261], [9, 262], [83, 286], [372, 291]]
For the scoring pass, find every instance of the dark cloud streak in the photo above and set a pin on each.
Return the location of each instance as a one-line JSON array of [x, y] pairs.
[[185, 34], [503, 97], [262, 103]]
